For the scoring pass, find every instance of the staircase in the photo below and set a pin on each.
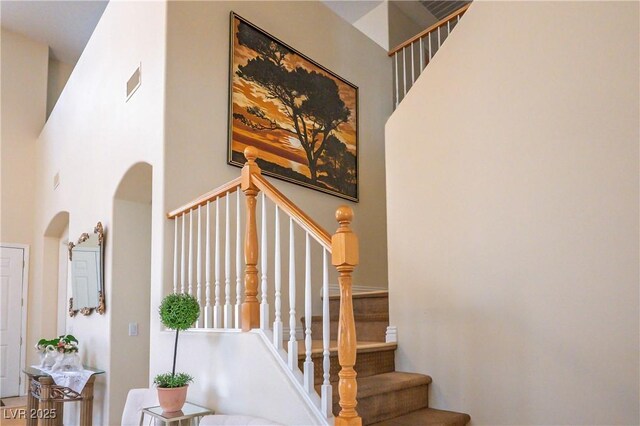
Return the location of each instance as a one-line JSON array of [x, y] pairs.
[[386, 397], [319, 365]]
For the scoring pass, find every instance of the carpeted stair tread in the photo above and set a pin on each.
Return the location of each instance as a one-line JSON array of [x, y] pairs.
[[364, 295], [385, 383], [361, 347], [428, 417], [375, 316], [390, 382]]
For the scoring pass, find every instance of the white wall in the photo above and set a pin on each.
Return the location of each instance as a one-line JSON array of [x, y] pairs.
[[24, 88], [92, 138], [512, 187]]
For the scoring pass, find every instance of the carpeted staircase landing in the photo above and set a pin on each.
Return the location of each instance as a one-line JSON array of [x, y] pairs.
[[386, 397]]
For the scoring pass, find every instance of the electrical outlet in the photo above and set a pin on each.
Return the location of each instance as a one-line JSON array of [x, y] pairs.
[[133, 329]]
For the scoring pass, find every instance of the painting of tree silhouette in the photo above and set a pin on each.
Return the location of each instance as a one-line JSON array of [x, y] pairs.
[[300, 116]]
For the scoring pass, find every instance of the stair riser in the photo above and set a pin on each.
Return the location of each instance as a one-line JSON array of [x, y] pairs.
[[366, 331], [389, 405], [365, 305], [367, 364]]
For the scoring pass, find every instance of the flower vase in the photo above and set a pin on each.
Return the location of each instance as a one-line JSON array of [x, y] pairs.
[[48, 357], [69, 361]]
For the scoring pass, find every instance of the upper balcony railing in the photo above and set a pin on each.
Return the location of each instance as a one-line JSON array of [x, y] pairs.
[[408, 66]]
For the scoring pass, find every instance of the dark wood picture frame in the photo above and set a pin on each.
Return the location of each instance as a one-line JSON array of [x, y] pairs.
[[302, 117]]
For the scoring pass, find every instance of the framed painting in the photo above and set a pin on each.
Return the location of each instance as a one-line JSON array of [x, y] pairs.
[[302, 118]]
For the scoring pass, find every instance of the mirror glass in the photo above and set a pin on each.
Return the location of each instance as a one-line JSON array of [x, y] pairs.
[[87, 273]]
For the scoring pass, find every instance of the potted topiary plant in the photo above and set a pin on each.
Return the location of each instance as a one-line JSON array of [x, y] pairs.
[[177, 312]]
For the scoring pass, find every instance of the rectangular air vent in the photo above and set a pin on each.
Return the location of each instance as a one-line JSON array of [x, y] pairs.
[[133, 83]]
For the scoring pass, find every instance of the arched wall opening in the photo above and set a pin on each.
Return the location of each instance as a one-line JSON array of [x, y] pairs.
[[130, 237], [55, 275]]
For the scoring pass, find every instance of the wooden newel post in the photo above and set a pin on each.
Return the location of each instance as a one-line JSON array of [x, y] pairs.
[[250, 306], [344, 256]]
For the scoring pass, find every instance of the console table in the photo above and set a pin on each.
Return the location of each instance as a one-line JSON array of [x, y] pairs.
[[45, 399], [189, 412]]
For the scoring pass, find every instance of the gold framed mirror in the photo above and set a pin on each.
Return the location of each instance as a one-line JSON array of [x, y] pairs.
[[87, 273]]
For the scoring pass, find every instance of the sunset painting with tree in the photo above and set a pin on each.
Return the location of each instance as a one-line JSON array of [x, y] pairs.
[[301, 117]]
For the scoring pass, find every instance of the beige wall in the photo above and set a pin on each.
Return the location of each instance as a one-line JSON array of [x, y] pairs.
[[196, 141], [92, 137], [512, 186], [24, 88]]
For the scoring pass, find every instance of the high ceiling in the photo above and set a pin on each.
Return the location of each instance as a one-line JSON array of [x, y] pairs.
[[65, 26]]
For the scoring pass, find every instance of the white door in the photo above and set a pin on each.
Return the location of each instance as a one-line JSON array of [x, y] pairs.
[[11, 281]]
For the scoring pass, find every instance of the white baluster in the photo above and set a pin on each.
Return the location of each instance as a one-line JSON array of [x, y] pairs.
[[293, 344], [457, 19], [395, 58], [277, 323], [190, 290], [430, 55], [228, 309], [404, 70], [326, 391], [238, 263], [422, 64], [264, 305], [199, 268], [448, 28], [413, 74], [216, 285], [183, 269], [308, 363], [175, 255], [208, 321], [439, 42]]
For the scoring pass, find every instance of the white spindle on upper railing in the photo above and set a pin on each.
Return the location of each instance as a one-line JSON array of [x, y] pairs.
[[190, 289], [326, 391], [228, 313], [277, 323], [175, 256], [216, 268], [208, 311], [293, 344], [238, 263], [264, 303], [199, 267], [308, 363], [402, 60], [183, 269]]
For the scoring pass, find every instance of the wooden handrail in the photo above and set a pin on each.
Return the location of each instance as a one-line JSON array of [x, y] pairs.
[[435, 26], [305, 222], [228, 188]]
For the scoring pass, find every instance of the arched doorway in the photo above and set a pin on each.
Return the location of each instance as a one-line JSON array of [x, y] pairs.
[[130, 238]]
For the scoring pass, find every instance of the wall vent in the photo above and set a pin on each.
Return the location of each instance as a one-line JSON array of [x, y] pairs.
[[133, 83], [56, 181]]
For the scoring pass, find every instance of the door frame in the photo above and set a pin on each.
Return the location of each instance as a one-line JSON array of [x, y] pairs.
[[23, 308]]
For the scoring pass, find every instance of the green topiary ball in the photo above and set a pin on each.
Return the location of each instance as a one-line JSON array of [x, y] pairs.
[[179, 311]]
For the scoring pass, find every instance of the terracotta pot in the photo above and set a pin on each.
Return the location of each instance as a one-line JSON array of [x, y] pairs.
[[172, 399]]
